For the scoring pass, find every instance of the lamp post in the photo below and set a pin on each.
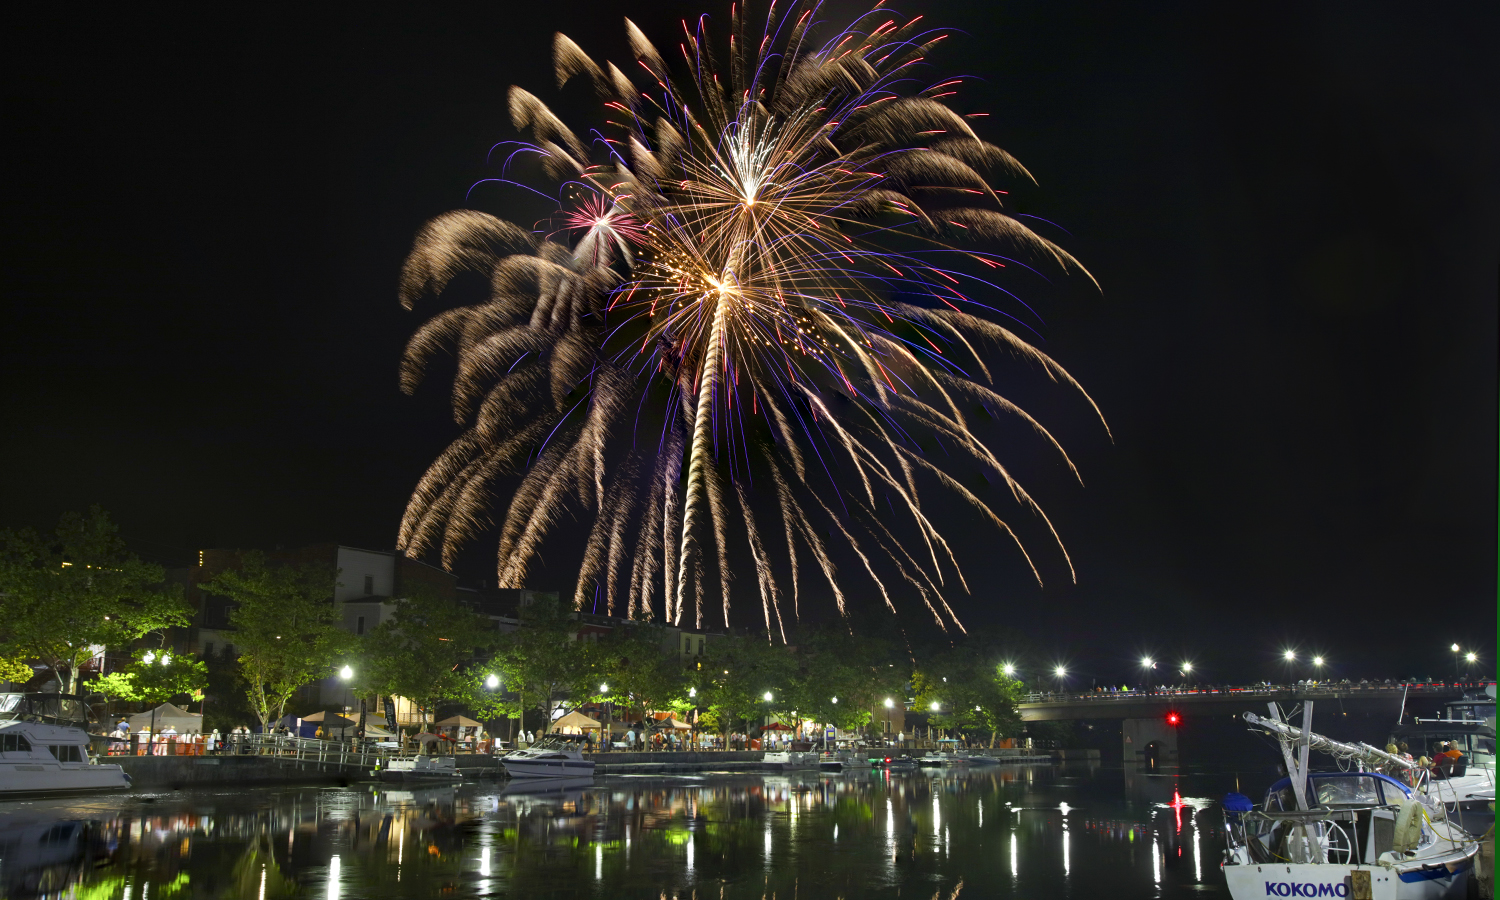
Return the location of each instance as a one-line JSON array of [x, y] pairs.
[[1290, 658], [1148, 665], [1454, 649], [1060, 673], [604, 743], [1471, 658], [345, 674]]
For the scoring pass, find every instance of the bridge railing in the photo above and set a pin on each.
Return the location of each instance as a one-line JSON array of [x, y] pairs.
[[1308, 689]]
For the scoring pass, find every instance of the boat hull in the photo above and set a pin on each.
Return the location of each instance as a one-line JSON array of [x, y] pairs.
[[548, 768], [1327, 880], [39, 778]]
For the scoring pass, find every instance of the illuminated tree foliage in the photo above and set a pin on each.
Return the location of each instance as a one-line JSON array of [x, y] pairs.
[[70, 594]]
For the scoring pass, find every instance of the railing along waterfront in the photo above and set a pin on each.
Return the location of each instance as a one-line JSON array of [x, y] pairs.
[[1304, 689]]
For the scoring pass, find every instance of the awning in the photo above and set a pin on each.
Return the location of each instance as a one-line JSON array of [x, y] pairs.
[[456, 721], [575, 720]]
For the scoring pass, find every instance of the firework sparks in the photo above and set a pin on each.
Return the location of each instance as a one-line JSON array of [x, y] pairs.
[[763, 302]]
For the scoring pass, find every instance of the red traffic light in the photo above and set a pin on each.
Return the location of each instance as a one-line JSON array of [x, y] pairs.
[[1174, 719]]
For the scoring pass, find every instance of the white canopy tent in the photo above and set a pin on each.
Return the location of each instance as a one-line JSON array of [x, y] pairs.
[[168, 716]]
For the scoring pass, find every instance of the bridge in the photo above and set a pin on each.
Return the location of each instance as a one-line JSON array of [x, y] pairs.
[[1149, 737]]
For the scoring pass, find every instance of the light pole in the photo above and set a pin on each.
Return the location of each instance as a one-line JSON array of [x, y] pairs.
[[1148, 665], [345, 674], [1471, 658], [1454, 648], [825, 728], [1060, 672], [1290, 658]]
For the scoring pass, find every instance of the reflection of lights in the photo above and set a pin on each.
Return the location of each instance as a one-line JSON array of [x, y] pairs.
[[262, 894], [690, 854], [484, 861], [1067, 862], [1014, 867], [1197, 854], [1155, 859], [598, 862], [333, 876]]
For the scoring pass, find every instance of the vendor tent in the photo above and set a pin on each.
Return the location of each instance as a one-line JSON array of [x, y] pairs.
[[168, 716], [575, 720], [677, 724], [328, 719], [777, 726], [456, 722]]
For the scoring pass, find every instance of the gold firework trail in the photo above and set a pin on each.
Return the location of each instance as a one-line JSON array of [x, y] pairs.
[[727, 315]]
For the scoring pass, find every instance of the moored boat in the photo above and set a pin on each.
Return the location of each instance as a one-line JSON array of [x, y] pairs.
[[554, 756], [789, 759], [1343, 834], [38, 759], [419, 768]]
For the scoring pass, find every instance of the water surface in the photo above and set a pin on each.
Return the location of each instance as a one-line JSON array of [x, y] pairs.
[[1025, 832]]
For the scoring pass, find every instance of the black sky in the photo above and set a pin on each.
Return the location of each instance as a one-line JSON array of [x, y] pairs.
[[1294, 211]]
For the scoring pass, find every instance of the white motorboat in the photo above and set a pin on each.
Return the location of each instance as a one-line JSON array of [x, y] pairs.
[[554, 756], [943, 758], [418, 768], [790, 759], [1337, 834], [38, 758], [1468, 780]]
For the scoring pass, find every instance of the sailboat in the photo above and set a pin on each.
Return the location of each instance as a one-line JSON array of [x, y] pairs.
[[1359, 833]]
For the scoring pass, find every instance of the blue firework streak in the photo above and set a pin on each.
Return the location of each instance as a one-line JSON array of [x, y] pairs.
[[771, 292]]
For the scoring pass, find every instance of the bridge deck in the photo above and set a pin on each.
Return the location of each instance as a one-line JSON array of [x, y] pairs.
[[1046, 706]]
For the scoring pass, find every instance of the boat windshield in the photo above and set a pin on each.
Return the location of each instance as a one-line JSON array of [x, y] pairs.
[[560, 742], [1336, 789], [55, 709]]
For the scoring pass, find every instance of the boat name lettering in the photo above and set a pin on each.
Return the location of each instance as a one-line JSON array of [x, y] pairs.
[[1305, 889]]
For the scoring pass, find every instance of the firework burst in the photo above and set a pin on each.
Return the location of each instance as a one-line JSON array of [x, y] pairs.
[[758, 297]]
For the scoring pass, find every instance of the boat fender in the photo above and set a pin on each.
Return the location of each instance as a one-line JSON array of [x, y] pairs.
[[1408, 827]]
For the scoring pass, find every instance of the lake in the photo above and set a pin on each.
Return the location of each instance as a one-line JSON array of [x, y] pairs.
[[1076, 830]]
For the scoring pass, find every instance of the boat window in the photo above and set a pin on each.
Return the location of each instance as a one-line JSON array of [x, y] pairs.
[[1392, 793], [14, 743], [1346, 791]]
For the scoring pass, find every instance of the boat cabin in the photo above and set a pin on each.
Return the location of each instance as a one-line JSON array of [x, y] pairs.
[[1340, 790], [67, 710]]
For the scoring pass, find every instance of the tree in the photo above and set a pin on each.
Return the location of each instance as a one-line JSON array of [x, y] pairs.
[[969, 690], [735, 679], [154, 678], [840, 677], [424, 651], [15, 669], [541, 662], [79, 590], [642, 675], [286, 627]]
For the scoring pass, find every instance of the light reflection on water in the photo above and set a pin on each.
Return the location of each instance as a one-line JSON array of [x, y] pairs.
[[998, 831]]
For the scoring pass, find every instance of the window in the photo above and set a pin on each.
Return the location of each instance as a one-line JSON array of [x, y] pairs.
[[65, 752], [887, 724], [369, 585], [359, 625]]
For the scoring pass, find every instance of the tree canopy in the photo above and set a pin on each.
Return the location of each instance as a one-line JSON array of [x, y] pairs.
[[425, 651], [77, 590], [155, 677], [286, 627]]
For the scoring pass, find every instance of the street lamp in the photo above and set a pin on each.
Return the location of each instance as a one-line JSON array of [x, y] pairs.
[[767, 696], [1060, 672], [692, 692], [1454, 648], [1187, 667], [889, 703], [492, 681], [936, 706], [346, 673], [1009, 669]]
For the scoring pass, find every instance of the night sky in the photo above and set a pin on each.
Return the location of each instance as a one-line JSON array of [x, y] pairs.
[[1293, 211]]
